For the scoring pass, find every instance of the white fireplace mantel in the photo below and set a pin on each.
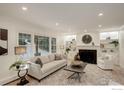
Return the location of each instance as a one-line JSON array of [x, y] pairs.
[[88, 47]]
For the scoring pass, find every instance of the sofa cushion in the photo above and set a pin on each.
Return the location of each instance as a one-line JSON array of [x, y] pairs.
[[51, 57], [39, 62], [44, 59], [52, 65], [33, 59], [64, 56]]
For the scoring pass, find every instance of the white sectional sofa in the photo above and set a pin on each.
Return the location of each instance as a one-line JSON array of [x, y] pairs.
[[50, 65]]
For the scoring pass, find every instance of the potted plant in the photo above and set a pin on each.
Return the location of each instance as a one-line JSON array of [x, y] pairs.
[[16, 64], [115, 43], [67, 50]]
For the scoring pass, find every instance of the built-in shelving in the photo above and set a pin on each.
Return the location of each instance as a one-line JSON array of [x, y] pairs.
[[105, 42]]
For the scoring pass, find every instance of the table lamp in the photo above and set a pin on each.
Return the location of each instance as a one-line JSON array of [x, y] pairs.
[[19, 50]]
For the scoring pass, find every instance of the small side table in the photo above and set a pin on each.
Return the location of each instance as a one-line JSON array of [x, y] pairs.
[[23, 79]]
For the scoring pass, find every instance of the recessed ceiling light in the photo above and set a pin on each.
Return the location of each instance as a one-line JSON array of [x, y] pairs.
[[24, 8], [99, 26], [57, 24], [85, 30], [100, 14]]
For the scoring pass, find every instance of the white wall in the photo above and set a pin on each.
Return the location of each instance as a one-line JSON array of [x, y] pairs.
[[60, 43], [6, 61], [94, 35], [14, 27], [121, 48], [78, 36], [68, 37]]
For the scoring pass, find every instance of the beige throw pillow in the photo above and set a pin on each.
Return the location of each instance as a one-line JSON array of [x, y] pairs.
[[51, 57], [39, 62], [45, 59], [58, 57]]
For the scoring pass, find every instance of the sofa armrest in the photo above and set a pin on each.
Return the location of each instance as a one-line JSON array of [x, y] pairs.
[[34, 66], [35, 71]]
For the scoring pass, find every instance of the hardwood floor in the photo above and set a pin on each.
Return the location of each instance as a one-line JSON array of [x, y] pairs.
[[93, 76]]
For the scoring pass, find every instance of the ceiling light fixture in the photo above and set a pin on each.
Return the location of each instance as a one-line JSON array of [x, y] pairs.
[[85, 30], [24, 8], [57, 24], [100, 14], [99, 26]]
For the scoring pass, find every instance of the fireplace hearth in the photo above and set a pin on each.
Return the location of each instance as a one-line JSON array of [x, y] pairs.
[[88, 56]]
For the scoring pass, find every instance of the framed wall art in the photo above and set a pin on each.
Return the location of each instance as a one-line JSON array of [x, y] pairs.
[[3, 41]]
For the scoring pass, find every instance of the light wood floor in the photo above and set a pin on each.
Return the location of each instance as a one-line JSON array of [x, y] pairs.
[[93, 76]]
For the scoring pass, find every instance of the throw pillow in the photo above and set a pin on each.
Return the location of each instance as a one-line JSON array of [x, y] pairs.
[[38, 61], [45, 59], [51, 57], [58, 57], [77, 57]]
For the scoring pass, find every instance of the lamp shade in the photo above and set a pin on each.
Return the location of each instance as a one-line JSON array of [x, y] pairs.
[[20, 50]]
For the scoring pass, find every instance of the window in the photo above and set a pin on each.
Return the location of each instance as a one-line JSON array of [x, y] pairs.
[[108, 35], [41, 45], [53, 45], [24, 39], [109, 41]]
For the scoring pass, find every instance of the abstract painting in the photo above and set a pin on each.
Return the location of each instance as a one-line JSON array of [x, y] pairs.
[[3, 41]]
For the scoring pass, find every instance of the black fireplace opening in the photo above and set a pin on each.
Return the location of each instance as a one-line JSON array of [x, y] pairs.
[[88, 56]]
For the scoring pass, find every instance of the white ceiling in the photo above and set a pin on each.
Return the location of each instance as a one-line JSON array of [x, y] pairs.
[[71, 17]]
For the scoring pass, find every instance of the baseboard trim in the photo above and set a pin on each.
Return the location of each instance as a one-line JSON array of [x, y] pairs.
[[6, 80], [9, 80]]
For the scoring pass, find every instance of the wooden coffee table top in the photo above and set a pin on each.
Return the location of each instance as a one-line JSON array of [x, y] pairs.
[[76, 69]]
